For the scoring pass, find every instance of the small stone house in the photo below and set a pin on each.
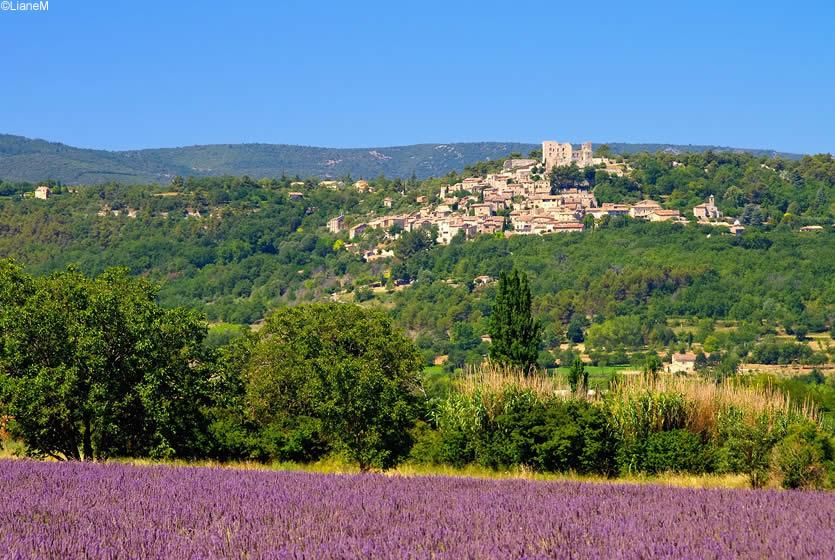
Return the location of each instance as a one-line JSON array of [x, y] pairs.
[[682, 362]]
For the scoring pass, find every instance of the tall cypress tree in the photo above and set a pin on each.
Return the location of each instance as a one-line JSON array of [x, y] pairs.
[[514, 332]]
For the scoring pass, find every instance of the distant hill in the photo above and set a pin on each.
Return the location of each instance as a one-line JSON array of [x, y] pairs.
[[25, 159]]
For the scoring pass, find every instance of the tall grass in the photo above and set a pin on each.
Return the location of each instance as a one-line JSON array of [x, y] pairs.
[[640, 405], [496, 378]]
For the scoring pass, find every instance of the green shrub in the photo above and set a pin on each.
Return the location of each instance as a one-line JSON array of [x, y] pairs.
[[799, 460], [677, 451], [299, 439], [518, 428], [747, 444]]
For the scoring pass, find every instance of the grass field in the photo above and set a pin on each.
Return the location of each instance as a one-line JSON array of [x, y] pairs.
[[599, 376], [337, 465]]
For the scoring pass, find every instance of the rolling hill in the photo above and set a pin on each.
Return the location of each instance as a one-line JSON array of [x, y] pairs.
[[25, 159]]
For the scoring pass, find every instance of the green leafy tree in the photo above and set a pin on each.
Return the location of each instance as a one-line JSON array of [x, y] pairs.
[[94, 368], [652, 365], [578, 377], [345, 371], [515, 334]]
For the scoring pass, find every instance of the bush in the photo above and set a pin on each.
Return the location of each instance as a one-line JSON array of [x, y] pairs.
[[547, 434], [748, 443], [798, 461], [676, 451]]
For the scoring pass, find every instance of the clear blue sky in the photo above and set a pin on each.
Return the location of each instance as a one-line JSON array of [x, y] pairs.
[[120, 75]]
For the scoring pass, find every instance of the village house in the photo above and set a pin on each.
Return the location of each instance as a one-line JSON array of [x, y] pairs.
[[609, 209], [335, 225], [378, 254], [43, 192], [517, 163], [663, 215], [295, 195], [472, 184], [422, 199], [356, 230], [643, 209], [737, 228], [361, 185], [332, 185], [448, 229], [443, 211], [482, 209], [811, 228], [707, 211], [387, 202], [491, 225], [682, 362]]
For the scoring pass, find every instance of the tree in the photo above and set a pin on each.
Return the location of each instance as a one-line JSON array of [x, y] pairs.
[[652, 365], [565, 177], [603, 151], [410, 243], [94, 368], [577, 375], [576, 326], [345, 371], [515, 335]]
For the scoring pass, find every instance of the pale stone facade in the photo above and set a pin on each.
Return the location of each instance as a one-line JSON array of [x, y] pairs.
[[335, 225], [684, 362], [555, 154], [43, 192], [707, 211]]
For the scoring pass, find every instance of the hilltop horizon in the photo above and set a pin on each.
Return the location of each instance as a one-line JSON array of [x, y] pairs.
[[34, 159]]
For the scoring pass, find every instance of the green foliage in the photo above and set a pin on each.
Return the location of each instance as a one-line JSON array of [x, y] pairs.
[[669, 451], [515, 428], [94, 368], [515, 334], [799, 460], [333, 373], [577, 375], [748, 443], [616, 333]]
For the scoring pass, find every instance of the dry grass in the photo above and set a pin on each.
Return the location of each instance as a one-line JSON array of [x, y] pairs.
[[704, 402], [495, 378], [338, 465]]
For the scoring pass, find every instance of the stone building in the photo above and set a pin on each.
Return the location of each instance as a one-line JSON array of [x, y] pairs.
[[682, 362], [555, 154], [335, 225], [43, 192], [707, 211]]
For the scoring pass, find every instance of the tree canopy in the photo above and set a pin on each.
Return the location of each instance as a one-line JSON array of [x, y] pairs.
[[515, 334], [94, 367], [344, 370]]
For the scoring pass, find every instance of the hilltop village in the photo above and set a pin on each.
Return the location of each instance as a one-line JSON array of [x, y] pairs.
[[522, 200]]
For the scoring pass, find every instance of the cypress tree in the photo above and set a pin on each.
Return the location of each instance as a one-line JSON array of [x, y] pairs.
[[514, 332]]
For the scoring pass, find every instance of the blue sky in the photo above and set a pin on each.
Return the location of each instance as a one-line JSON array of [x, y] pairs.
[[121, 75]]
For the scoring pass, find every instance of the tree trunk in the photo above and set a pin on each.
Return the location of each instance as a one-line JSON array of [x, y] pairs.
[[87, 441]]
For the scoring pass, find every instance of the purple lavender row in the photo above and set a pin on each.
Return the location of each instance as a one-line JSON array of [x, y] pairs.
[[75, 510]]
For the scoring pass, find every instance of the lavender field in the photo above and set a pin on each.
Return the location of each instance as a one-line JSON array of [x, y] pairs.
[[75, 510]]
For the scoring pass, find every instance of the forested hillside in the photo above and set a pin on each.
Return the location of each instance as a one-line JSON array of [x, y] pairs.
[[24, 159], [236, 248]]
